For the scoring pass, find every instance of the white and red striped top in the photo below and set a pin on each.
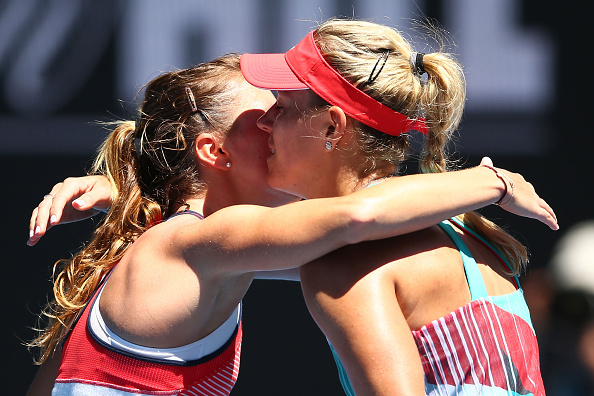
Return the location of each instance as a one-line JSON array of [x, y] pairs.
[[487, 347], [481, 348], [91, 366]]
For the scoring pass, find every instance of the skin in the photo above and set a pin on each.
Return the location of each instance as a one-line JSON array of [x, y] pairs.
[[386, 294], [368, 308], [205, 267]]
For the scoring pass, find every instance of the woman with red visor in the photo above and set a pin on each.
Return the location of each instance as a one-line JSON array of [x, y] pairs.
[[438, 311]]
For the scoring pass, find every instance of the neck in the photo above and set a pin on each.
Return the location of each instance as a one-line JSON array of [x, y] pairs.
[[224, 190], [357, 181], [350, 174], [195, 204]]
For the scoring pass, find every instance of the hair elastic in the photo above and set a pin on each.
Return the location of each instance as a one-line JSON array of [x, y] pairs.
[[416, 62], [137, 147], [191, 99]]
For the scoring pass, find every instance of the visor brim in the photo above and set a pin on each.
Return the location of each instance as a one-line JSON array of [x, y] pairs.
[[269, 71]]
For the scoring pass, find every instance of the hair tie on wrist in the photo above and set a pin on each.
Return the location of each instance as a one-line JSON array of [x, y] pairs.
[[505, 179]]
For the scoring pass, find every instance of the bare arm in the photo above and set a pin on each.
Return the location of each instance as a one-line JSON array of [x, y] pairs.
[[251, 238], [362, 320], [46, 376]]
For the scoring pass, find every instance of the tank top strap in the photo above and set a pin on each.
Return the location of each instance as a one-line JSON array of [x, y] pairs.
[[473, 275], [187, 211], [490, 246]]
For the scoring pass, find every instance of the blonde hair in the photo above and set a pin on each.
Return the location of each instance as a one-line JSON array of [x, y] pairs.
[[353, 48], [151, 166]]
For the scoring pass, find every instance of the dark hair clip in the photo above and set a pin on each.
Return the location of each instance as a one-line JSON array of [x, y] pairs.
[[191, 99], [384, 56]]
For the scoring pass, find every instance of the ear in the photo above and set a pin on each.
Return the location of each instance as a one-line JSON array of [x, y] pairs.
[[337, 122], [210, 152]]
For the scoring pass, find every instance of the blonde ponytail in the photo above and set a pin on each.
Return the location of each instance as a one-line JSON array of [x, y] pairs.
[[442, 99], [437, 93]]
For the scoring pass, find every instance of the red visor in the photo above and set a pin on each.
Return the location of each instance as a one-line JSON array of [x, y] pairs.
[[304, 67]]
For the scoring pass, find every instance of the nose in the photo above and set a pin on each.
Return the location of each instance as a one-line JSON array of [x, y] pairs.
[[266, 120]]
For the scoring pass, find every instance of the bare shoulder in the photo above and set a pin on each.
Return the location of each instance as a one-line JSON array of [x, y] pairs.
[[422, 270], [151, 290], [394, 257]]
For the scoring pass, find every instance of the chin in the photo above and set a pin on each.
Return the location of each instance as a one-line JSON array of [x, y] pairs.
[[280, 182]]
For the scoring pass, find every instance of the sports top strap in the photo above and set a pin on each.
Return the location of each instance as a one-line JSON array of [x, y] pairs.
[[473, 275], [187, 211], [490, 246]]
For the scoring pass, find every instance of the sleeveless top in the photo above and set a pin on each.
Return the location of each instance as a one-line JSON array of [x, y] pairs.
[[91, 366], [488, 346]]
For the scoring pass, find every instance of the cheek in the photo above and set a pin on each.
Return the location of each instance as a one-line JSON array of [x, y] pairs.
[[259, 144], [255, 147]]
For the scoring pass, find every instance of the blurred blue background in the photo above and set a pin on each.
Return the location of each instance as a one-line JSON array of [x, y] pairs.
[[66, 64]]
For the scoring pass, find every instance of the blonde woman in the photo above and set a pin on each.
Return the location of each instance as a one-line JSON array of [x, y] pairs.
[[438, 311]]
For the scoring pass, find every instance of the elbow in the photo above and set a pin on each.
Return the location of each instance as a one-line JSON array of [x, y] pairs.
[[364, 220]]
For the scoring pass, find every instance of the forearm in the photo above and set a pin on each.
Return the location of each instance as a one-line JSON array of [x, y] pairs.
[[410, 203], [256, 238]]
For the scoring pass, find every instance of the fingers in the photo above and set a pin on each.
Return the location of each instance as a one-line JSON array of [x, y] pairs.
[[32, 241], [79, 194], [550, 218], [85, 202], [96, 194], [49, 211], [74, 199], [61, 197], [40, 217], [524, 200]]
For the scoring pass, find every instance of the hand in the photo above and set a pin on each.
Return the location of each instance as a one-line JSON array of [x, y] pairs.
[[523, 199], [74, 199]]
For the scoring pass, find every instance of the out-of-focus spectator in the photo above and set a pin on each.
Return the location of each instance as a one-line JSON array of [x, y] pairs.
[[561, 300]]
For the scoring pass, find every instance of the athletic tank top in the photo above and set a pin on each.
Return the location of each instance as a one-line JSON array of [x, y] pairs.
[[93, 366], [488, 346]]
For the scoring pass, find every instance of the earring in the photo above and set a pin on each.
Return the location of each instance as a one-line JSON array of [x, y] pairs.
[[228, 164], [328, 145]]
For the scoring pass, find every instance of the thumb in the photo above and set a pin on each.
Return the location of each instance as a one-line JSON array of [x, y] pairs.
[[487, 161], [89, 201]]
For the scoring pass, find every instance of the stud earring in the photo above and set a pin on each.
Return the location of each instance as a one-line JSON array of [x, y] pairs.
[[228, 164], [328, 145]]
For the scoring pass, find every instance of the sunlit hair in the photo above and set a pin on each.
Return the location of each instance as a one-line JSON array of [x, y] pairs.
[[152, 167], [353, 48]]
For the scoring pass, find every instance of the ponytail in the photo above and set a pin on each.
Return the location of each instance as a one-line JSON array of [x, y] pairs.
[[442, 99], [76, 279]]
